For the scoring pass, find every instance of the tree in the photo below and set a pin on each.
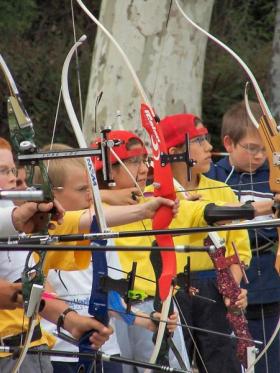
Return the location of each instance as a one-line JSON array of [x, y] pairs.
[[247, 27], [169, 61], [36, 36]]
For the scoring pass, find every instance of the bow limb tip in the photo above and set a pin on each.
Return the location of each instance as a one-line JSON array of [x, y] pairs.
[[82, 39]]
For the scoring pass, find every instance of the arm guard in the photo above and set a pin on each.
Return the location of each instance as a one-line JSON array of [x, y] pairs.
[[214, 213]]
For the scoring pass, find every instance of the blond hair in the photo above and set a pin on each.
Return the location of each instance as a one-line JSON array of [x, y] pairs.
[[58, 169]]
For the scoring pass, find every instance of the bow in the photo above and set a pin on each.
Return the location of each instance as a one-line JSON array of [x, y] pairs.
[[99, 301], [22, 137], [163, 178], [228, 287], [98, 306], [269, 133], [44, 239], [101, 356], [163, 182]]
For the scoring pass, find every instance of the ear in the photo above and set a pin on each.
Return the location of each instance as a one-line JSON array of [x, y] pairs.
[[228, 144], [172, 150]]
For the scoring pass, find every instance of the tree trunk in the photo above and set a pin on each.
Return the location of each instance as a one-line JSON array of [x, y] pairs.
[[169, 61], [274, 73]]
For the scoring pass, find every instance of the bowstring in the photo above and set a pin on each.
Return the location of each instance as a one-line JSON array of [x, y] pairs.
[[178, 186], [190, 333], [78, 83], [163, 34], [132, 71], [222, 186], [134, 180], [257, 251], [77, 66], [54, 126], [148, 317]]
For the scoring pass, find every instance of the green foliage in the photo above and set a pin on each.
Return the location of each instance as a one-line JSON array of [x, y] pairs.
[[247, 27], [36, 36], [16, 16]]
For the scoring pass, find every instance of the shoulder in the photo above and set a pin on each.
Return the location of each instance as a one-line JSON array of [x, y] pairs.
[[219, 170], [6, 225], [71, 221], [216, 190], [206, 181]]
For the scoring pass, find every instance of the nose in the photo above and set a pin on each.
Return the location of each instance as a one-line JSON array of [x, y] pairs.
[[143, 169], [12, 179], [207, 146]]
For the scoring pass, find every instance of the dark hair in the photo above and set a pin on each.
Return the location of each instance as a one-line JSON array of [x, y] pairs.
[[236, 121], [99, 174]]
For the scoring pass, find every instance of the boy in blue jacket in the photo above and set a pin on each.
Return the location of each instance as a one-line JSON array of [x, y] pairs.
[[247, 172]]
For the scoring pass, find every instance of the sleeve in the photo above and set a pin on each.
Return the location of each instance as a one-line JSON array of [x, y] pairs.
[[242, 243], [191, 213], [240, 238], [68, 260], [6, 226]]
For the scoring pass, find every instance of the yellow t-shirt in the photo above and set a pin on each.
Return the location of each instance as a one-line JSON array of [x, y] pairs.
[[191, 214], [211, 191], [12, 320], [68, 260]]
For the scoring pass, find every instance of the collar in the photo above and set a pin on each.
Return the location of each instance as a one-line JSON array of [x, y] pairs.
[[225, 164]]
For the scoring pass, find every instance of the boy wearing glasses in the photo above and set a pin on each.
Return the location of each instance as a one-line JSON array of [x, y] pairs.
[[246, 170], [196, 311]]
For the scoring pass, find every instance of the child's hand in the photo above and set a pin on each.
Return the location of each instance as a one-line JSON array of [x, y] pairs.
[[151, 323], [127, 196], [241, 302], [172, 320]]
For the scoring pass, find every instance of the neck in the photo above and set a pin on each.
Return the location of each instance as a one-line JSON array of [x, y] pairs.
[[231, 162], [187, 185]]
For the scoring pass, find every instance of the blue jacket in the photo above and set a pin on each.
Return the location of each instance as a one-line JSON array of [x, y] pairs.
[[264, 284]]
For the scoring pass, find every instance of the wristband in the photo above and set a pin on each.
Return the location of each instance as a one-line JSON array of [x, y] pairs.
[[61, 318]]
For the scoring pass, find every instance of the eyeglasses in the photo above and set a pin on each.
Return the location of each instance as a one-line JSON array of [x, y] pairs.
[[136, 161], [6, 171], [253, 149], [200, 139]]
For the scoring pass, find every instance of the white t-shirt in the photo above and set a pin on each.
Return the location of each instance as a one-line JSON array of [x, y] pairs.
[[75, 286], [6, 224], [11, 262]]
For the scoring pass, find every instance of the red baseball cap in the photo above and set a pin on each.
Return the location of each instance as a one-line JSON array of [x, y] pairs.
[[175, 127], [121, 150]]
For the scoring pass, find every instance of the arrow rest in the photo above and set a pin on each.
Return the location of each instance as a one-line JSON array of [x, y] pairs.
[[125, 287]]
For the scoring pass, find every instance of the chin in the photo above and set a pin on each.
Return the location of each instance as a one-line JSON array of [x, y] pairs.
[[204, 169], [142, 186], [250, 169]]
